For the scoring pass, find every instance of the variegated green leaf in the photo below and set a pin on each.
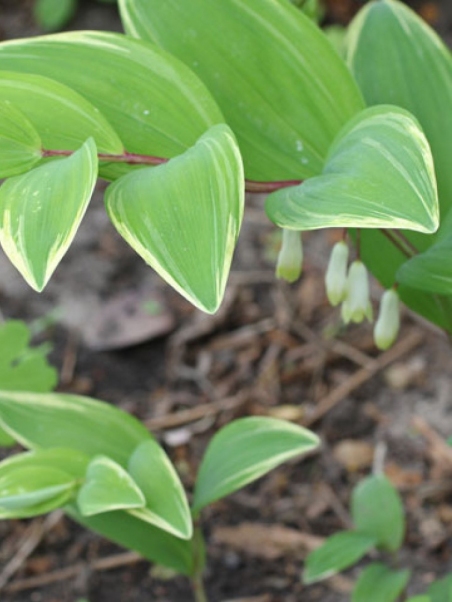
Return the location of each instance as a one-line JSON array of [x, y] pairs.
[[166, 504], [108, 486], [397, 58], [150, 542], [40, 212], [245, 450], [62, 118], [155, 104], [20, 144], [281, 86], [379, 174], [80, 423], [184, 217]]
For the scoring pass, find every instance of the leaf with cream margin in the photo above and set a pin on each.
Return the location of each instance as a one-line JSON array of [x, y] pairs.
[[166, 502], [379, 174], [153, 101], [245, 450], [28, 492], [40, 212], [108, 486], [63, 119], [150, 542], [183, 218], [20, 144], [281, 86], [80, 423], [35, 483], [397, 58]]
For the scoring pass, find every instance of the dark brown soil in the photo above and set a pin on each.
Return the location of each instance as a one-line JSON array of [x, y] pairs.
[[269, 351]]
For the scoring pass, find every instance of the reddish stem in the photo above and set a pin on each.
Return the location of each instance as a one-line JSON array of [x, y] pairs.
[[136, 159], [129, 158], [262, 187]]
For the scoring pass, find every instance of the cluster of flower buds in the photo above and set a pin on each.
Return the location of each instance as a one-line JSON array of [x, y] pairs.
[[350, 286], [345, 284]]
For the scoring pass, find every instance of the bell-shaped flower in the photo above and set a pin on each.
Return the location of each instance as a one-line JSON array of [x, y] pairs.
[[356, 305], [388, 322], [290, 258], [336, 273]]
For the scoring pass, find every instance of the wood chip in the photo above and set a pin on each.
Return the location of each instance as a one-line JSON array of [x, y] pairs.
[[267, 541], [354, 454]]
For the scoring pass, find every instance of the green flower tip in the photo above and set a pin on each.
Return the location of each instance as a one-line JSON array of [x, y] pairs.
[[290, 258], [336, 274], [356, 305], [388, 322]]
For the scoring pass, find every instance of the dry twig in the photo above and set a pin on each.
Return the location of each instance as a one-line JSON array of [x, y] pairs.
[[410, 342]]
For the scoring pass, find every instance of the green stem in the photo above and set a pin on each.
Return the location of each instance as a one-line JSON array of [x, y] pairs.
[[199, 562], [137, 159], [198, 589]]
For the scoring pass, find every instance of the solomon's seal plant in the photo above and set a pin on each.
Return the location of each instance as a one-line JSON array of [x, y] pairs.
[[198, 103], [182, 121]]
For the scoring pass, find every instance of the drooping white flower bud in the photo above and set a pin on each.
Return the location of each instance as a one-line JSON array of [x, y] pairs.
[[356, 305], [388, 322], [336, 273], [290, 258]]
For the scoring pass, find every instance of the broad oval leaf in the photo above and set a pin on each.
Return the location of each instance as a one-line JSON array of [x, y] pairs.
[[377, 583], [243, 451], [398, 59], [166, 502], [134, 534], [156, 105], [20, 144], [23, 368], [441, 590], [431, 270], [30, 491], [40, 212], [377, 511], [183, 218], [338, 553], [285, 115], [62, 118], [88, 425], [420, 598], [52, 15], [108, 487], [378, 174]]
